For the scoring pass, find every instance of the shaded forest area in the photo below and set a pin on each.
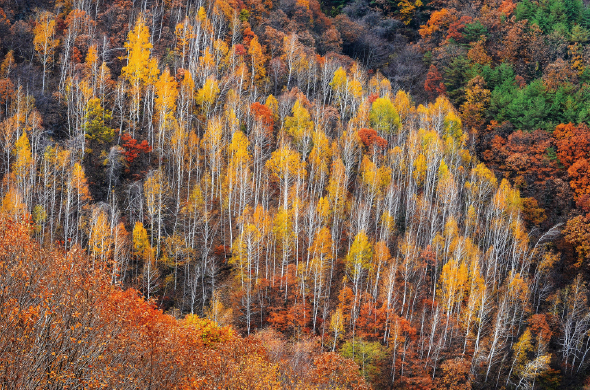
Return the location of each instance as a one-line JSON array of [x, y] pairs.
[[365, 194]]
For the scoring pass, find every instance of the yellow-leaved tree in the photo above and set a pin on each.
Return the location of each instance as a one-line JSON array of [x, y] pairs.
[[207, 95], [166, 95], [44, 40], [300, 126], [359, 258], [141, 70], [258, 58], [144, 252], [286, 165]]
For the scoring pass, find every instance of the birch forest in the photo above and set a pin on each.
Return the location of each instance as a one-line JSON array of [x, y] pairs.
[[294, 194]]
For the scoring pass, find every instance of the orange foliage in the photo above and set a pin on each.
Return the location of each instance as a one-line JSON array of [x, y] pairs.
[[438, 20], [7, 92], [454, 374], [573, 143], [577, 233], [372, 319], [507, 7], [369, 137], [532, 213], [65, 325], [580, 177], [335, 372], [264, 115], [72, 327], [540, 327], [288, 312]]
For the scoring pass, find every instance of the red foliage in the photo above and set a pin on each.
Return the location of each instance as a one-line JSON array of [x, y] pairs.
[[222, 251], [264, 115], [453, 32], [369, 137], [76, 56], [434, 83], [583, 203], [240, 50], [292, 318], [133, 149], [373, 97], [523, 154]]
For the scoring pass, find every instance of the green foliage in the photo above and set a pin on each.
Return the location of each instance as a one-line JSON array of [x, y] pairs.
[[551, 15], [529, 108], [244, 15], [94, 123], [579, 34], [551, 154], [534, 106], [474, 31], [585, 18], [383, 116], [366, 354], [456, 76], [501, 75]]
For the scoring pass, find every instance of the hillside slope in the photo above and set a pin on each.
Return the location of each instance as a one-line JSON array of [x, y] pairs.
[[228, 162]]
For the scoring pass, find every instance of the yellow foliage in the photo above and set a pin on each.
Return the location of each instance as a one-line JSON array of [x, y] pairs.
[[300, 125], [283, 229], [403, 105], [140, 67], [242, 249], [337, 191], [273, 104], [285, 163], [507, 199], [453, 128], [166, 94], [12, 204], [24, 158], [339, 81], [100, 241], [375, 179], [420, 167], [207, 95], [407, 8], [453, 282], [257, 56], [44, 37], [359, 256], [518, 287], [141, 243], [323, 208]]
